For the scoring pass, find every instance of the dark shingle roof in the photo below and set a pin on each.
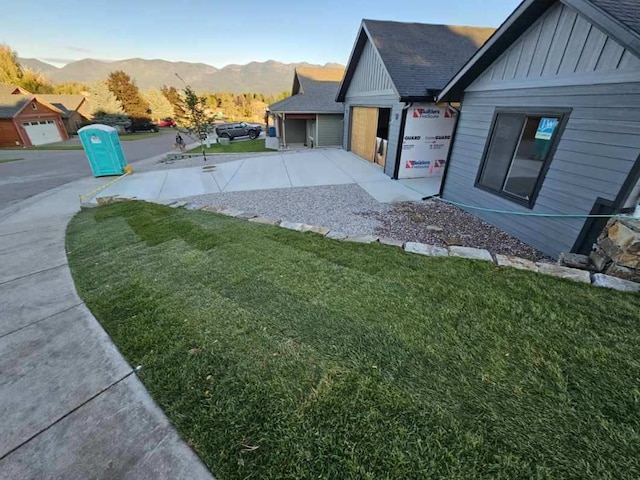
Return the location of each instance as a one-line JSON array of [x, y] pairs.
[[319, 87], [421, 57], [626, 12], [12, 104]]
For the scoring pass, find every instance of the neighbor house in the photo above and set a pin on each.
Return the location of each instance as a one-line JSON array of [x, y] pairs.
[[75, 110], [8, 89], [311, 116], [550, 122], [394, 73], [27, 120]]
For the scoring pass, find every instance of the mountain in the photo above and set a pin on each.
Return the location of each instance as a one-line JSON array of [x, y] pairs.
[[268, 77]]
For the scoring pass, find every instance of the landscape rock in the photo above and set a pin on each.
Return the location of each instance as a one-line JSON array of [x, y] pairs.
[[229, 212], [105, 200], [423, 249], [265, 220], [564, 272], [607, 281], [178, 204], [574, 260], [599, 260], [124, 198], [516, 262], [471, 253], [246, 215], [336, 235], [434, 228], [623, 272], [392, 242], [213, 208], [192, 206], [623, 236], [316, 229], [362, 239], [292, 226]]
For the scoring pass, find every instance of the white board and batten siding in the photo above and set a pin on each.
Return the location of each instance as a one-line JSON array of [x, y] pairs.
[[562, 61], [330, 129], [371, 86]]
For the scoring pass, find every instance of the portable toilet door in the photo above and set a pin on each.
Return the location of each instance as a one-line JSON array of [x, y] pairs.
[[102, 147]]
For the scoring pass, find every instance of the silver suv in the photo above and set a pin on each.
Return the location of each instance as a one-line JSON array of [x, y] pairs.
[[239, 129]]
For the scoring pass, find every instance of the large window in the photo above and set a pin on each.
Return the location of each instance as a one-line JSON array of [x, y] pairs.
[[520, 148]]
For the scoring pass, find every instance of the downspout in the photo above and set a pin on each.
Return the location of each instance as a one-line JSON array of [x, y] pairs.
[[284, 138], [315, 142], [448, 162], [403, 122]]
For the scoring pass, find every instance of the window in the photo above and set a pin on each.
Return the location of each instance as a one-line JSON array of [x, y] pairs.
[[518, 154], [34, 106]]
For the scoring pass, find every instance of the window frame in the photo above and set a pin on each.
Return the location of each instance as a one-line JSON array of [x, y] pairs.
[[563, 115]]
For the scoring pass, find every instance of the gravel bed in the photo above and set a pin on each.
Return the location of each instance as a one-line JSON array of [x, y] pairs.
[[212, 159], [339, 207], [410, 221]]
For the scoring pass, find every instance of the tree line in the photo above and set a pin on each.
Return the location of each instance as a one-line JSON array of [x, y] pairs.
[[119, 96]]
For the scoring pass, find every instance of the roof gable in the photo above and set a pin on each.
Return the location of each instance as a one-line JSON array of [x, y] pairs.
[[419, 58], [314, 90], [9, 89], [624, 41], [67, 104]]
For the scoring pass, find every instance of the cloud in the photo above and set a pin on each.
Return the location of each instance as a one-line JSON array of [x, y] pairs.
[[76, 49], [58, 60]]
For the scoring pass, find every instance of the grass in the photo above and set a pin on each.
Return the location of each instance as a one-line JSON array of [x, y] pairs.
[[285, 355], [241, 146], [7, 160]]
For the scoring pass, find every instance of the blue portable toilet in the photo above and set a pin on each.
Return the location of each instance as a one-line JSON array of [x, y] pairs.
[[102, 147]]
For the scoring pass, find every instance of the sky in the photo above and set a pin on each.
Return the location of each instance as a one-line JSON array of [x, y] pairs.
[[219, 33]]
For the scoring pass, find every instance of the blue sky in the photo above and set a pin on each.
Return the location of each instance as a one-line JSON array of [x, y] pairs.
[[236, 32]]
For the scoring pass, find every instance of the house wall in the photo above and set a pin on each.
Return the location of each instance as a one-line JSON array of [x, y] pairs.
[[371, 86], [8, 133], [71, 123], [597, 149], [40, 113], [330, 128]]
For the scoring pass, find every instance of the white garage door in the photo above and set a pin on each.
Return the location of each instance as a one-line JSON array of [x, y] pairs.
[[43, 131]]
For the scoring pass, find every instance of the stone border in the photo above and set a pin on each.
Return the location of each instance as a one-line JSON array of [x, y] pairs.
[[574, 274]]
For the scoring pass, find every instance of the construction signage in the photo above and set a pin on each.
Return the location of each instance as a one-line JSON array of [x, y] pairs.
[[426, 141]]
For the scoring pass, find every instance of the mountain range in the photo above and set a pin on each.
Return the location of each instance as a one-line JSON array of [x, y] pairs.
[[270, 77]]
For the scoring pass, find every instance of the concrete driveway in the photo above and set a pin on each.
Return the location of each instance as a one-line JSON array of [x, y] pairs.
[[42, 170], [297, 169]]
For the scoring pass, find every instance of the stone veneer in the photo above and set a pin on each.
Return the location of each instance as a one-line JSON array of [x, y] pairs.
[[617, 250]]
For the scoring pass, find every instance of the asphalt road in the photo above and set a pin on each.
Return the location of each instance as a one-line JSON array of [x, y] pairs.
[[42, 170]]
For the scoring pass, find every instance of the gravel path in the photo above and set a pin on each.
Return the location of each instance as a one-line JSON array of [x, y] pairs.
[[438, 223], [339, 207]]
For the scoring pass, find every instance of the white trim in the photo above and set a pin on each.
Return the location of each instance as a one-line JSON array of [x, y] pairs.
[[577, 79]]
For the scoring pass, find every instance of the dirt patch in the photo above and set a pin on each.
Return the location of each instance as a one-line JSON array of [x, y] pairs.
[[443, 224]]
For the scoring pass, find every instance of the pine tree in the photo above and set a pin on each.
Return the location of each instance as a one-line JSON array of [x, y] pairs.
[[158, 103], [102, 100], [175, 99], [127, 93]]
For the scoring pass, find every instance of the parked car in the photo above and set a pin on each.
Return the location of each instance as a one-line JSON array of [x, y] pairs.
[[238, 129], [141, 125], [167, 122]]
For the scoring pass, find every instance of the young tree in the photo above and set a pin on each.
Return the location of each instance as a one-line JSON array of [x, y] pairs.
[[127, 93], [102, 100], [195, 120], [158, 103]]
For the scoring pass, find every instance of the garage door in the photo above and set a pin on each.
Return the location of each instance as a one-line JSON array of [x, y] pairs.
[[43, 131], [364, 124]]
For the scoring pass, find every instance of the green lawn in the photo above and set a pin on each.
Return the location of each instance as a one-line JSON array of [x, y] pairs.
[[7, 160], [238, 146], [285, 355]]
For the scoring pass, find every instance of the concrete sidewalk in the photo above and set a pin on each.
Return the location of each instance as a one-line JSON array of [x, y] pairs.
[[308, 168], [70, 405]]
